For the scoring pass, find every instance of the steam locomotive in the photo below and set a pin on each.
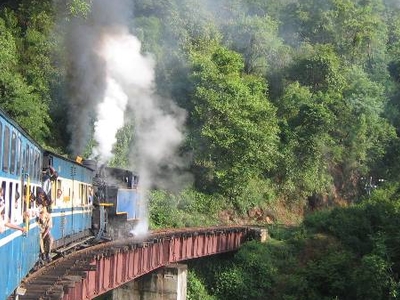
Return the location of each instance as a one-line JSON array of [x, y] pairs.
[[88, 204]]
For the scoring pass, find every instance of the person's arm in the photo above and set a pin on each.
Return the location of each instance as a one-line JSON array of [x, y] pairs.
[[12, 226]]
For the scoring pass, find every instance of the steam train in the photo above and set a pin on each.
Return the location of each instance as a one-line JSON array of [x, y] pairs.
[[88, 204]]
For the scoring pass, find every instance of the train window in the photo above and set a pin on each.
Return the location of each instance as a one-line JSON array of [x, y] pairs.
[[84, 194], [11, 204], [30, 158], [57, 192], [6, 149], [23, 162], [32, 163], [90, 195], [1, 136], [40, 161], [19, 150], [26, 160], [18, 201], [36, 166], [81, 193], [2, 194], [13, 152]]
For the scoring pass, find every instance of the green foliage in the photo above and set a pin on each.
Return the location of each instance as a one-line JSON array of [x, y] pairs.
[[305, 143], [355, 29], [292, 100], [196, 289], [343, 253], [121, 148], [352, 226], [187, 209], [79, 8], [231, 284], [149, 31], [256, 193], [329, 275], [318, 68], [234, 139], [256, 37], [322, 64], [374, 269], [17, 96]]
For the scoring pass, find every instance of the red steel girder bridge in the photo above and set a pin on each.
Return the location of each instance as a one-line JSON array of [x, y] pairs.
[[93, 271]]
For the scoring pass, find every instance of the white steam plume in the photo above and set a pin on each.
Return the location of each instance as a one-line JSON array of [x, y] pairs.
[[112, 75], [125, 69]]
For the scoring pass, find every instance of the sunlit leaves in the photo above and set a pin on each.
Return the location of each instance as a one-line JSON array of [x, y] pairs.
[[236, 121], [17, 96], [79, 7]]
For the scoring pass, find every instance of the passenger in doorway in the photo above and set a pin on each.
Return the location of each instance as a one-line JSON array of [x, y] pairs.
[[44, 200], [58, 196], [17, 195], [46, 240], [49, 175], [90, 198], [2, 201]]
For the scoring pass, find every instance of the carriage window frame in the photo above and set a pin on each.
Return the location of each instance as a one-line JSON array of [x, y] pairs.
[[1, 138], [36, 164], [32, 163], [23, 167], [6, 149], [26, 160], [13, 152], [10, 201], [19, 201], [57, 186], [40, 161], [3, 196], [82, 193], [19, 157]]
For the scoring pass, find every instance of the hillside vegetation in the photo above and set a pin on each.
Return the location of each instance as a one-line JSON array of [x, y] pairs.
[[292, 111], [342, 253]]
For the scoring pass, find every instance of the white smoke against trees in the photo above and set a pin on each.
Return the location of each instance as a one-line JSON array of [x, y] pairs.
[[125, 70], [109, 74]]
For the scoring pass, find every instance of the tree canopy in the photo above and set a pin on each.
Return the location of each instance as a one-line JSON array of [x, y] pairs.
[[300, 96]]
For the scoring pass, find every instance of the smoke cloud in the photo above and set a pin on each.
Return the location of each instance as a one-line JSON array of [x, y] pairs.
[[109, 74]]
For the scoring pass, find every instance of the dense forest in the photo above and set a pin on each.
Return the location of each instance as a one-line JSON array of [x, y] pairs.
[[288, 117]]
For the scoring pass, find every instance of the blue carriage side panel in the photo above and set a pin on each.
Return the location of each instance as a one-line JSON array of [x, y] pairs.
[[20, 159], [19, 254], [70, 170], [128, 202]]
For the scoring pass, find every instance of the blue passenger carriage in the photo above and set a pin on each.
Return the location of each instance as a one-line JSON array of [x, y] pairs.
[[20, 165], [71, 195]]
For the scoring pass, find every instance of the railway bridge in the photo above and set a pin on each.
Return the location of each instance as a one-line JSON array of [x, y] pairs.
[[93, 271]]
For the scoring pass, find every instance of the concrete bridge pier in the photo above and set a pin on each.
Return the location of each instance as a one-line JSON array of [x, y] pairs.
[[167, 283]]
